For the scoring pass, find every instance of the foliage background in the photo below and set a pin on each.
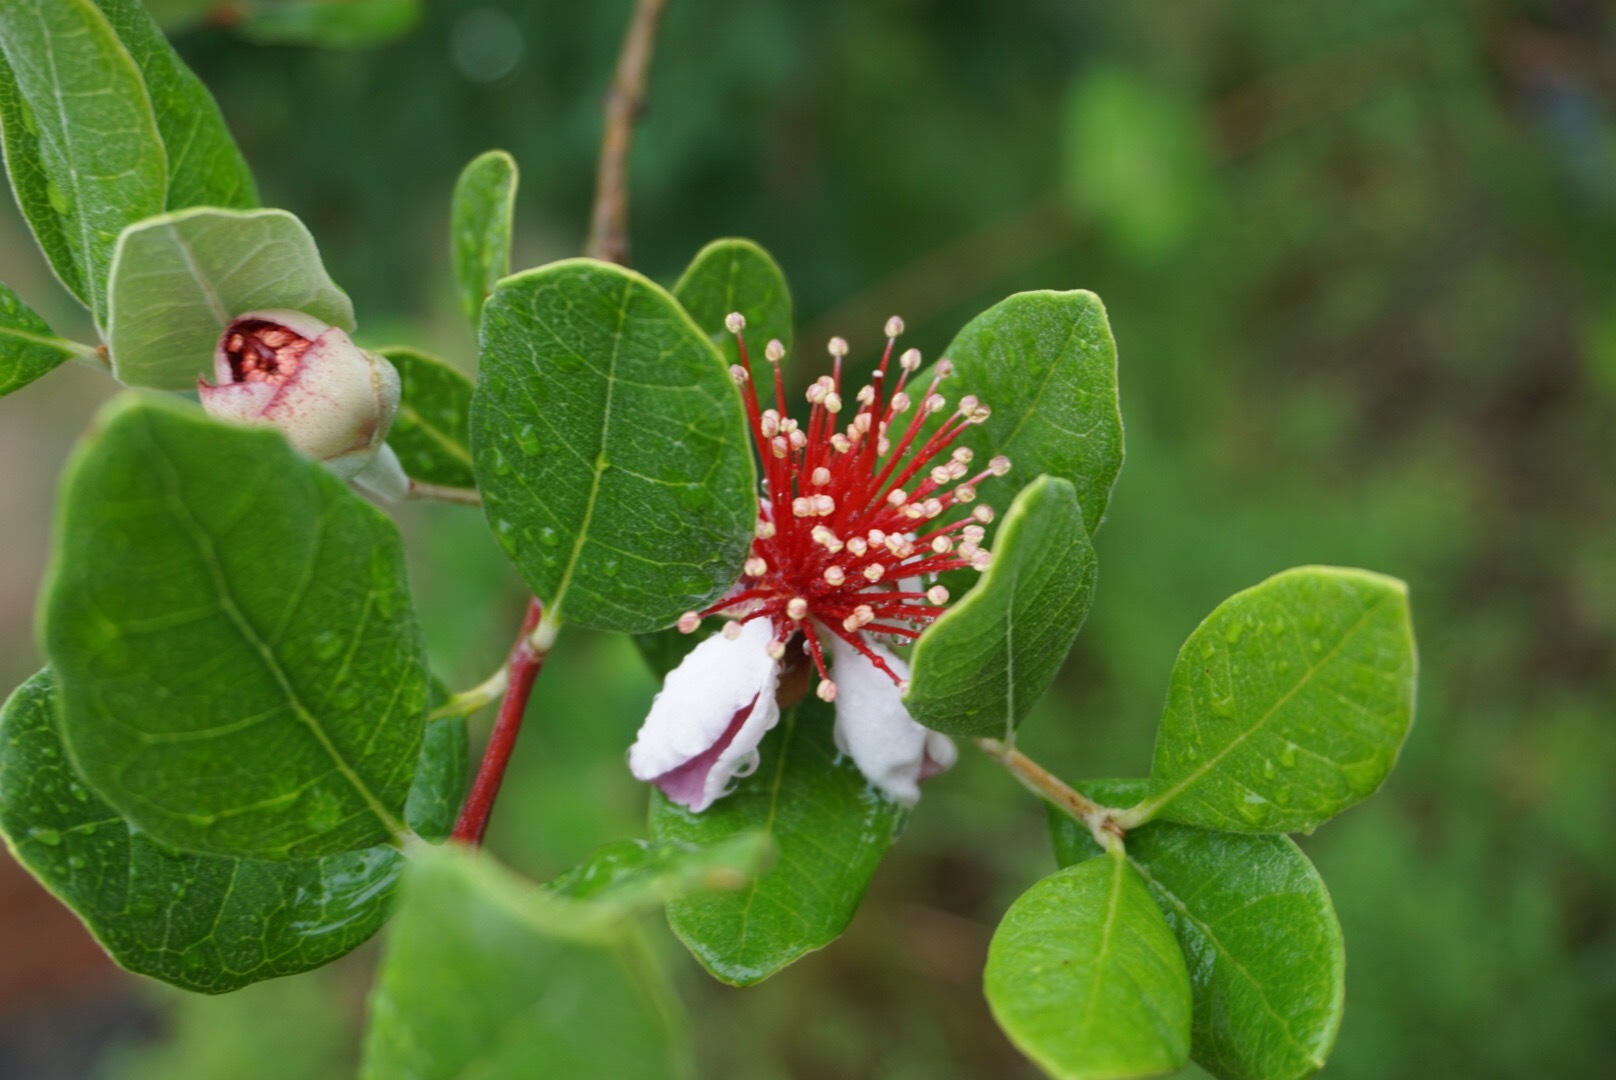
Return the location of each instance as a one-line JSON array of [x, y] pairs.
[[1361, 264]]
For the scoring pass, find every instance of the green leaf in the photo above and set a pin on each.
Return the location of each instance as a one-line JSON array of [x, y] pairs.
[[982, 666], [200, 922], [88, 159], [631, 877], [1260, 935], [1086, 979], [1287, 705], [480, 216], [333, 24], [829, 829], [240, 669], [179, 279], [429, 434], [441, 779], [205, 168], [28, 349], [1046, 365], [610, 447], [736, 275], [480, 980]]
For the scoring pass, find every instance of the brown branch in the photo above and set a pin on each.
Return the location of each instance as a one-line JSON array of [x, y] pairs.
[[1046, 785], [608, 224]]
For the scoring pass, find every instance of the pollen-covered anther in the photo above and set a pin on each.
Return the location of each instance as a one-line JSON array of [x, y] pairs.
[[910, 360], [894, 327], [944, 368], [797, 609], [833, 404], [780, 445], [968, 404], [769, 422], [774, 351], [735, 322], [839, 442], [837, 347], [858, 546], [979, 415], [824, 505], [901, 402], [756, 566], [942, 545], [973, 533], [983, 513], [866, 395], [999, 465], [826, 539], [802, 506], [688, 622], [965, 493], [982, 560], [835, 576], [815, 393], [936, 403], [937, 595], [896, 497], [826, 690], [968, 548], [739, 374], [732, 629], [874, 572]]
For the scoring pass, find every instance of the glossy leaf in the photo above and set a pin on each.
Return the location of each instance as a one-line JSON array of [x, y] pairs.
[[87, 159], [331, 24], [430, 434], [201, 922], [480, 217], [1261, 938], [632, 877], [610, 447], [205, 168], [240, 669], [178, 280], [28, 349], [441, 779], [1287, 705], [737, 275], [829, 829], [480, 979], [1086, 979], [1046, 364], [982, 666]]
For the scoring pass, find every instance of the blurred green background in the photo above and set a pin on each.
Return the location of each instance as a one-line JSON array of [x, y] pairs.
[[1360, 260]]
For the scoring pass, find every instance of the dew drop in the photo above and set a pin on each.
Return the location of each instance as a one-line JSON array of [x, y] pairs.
[[76, 862], [549, 537], [1255, 809], [1234, 632], [1223, 706], [569, 361], [327, 645], [1287, 756], [694, 498], [48, 837], [79, 792], [1316, 645], [1268, 768], [347, 697], [527, 437], [143, 906], [505, 533], [57, 197], [1208, 651], [610, 567]]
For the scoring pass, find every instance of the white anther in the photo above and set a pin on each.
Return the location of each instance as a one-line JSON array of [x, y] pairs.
[[770, 423], [835, 576], [796, 609], [983, 513], [968, 404], [824, 505], [937, 595], [798, 440], [900, 402], [780, 445], [688, 622], [735, 322], [968, 548], [964, 493], [897, 497], [841, 443], [738, 373], [915, 511], [942, 545], [933, 507], [896, 543], [776, 650], [941, 475], [850, 624], [732, 630], [874, 572], [974, 533], [774, 352], [877, 537], [865, 614], [837, 347], [883, 446], [819, 477], [802, 507], [764, 530], [833, 402], [862, 423], [894, 327], [962, 454], [866, 394], [936, 403], [826, 690], [944, 368], [999, 465], [980, 414], [982, 560], [858, 546], [910, 360], [815, 393], [756, 566], [788, 425]]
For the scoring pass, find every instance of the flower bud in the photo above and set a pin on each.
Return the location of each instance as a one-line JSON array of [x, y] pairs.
[[332, 400]]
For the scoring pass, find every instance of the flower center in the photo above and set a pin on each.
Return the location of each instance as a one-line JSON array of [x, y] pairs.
[[261, 351], [848, 538]]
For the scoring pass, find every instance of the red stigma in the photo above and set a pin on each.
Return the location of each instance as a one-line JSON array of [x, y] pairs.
[[262, 351]]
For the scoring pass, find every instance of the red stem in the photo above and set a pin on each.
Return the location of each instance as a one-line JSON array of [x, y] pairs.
[[524, 665]]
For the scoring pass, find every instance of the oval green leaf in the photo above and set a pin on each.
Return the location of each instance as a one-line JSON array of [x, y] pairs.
[[240, 669], [178, 280], [481, 212], [200, 922], [1046, 364], [1287, 705], [610, 447], [82, 143], [431, 433], [736, 275], [28, 349], [829, 830], [1087, 980], [980, 668], [1266, 957]]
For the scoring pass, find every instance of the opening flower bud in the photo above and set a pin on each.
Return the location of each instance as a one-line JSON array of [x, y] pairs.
[[332, 400]]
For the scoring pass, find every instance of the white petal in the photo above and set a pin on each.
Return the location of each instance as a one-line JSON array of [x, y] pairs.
[[380, 474], [705, 725], [329, 406], [873, 728], [240, 403]]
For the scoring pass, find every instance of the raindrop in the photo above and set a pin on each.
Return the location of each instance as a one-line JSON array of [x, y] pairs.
[[528, 439], [1287, 756], [1234, 632], [610, 567], [48, 837], [549, 537]]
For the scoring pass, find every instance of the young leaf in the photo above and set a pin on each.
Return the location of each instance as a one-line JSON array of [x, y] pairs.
[[429, 433], [481, 977], [1047, 366], [980, 668], [28, 349], [736, 275], [829, 829], [1086, 979], [610, 447], [1287, 705], [480, 216], [201, 922], [205, 168], [239, 666], [178, 280], [1254, 919], [88, 159]]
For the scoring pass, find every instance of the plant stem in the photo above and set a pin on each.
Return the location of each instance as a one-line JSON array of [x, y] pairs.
[[608, 226], [1046, 785], [419, 489], [469, 701], [522, 668]]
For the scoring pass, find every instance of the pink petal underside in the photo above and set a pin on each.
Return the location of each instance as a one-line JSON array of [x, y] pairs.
[[687, 784], [328, 406]]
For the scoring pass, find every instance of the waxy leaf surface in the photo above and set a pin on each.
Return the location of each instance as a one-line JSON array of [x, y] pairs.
[[441, 779], [981, 667], [205, 923], [480, 215], [82, 143], [610, 447], [829, 830], [480, 978], [178, 280], [205, 168], [1288, 704], [28, 349], [239, 667], [1087, 980], [430, 433], [1046, 364], [1259, 933], [737, 275], [627, 879]]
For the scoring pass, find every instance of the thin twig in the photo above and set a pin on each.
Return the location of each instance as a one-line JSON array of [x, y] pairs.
[[420, 489], [469, 701], [1046, 785], [523, 666], [608, 224]]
